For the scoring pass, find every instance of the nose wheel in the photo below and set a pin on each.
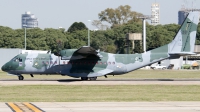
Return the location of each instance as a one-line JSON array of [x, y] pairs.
[[20, 77]]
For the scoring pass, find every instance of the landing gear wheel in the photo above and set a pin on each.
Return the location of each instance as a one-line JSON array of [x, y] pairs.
[[21, 77], [84, 78], [93, 78]]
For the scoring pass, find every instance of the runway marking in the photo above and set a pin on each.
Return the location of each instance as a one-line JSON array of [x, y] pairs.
[[23, 107], [33, 107], [14, 107]]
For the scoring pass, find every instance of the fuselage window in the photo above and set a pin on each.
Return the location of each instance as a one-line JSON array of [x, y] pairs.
[[20, 60], [113, 63], [109, 63]]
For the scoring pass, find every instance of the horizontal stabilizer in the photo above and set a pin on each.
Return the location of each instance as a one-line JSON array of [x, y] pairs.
[[182, 53]]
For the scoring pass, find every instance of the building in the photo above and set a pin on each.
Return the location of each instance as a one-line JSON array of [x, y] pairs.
[[155, 13], [181, 16], [29, 20]]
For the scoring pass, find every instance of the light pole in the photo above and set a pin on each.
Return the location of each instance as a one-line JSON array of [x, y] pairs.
[[25, 36], [144, 17], [25, 25], [89, 32]]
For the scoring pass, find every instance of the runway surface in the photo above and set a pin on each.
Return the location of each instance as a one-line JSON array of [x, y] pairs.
[[7, 82], [100, 107]]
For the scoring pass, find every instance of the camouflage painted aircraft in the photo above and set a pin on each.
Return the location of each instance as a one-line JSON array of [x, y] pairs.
[[88, 63]]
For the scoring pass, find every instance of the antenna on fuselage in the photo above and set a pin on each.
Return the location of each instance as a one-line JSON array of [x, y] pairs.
[[49, 52]]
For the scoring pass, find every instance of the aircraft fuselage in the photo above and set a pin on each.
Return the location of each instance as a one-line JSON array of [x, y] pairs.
[[91, 66]]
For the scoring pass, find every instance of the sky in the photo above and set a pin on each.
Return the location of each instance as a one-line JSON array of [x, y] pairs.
[[63, 13]]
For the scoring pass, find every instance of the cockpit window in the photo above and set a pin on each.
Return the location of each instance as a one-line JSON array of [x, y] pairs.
[[17, 59]]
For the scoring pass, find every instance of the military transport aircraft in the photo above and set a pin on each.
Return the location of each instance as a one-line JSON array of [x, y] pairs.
[[88, 63]]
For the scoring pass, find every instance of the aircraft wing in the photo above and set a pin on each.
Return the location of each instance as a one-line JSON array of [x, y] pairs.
[[87, 50], [83, 52]]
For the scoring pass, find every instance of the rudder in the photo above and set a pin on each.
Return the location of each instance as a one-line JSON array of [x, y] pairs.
[[184, 41]]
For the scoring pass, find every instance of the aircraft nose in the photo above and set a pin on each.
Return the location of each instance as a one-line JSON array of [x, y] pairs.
[[3, 68]]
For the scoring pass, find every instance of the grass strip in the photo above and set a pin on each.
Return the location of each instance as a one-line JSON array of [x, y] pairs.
[[99, 93]]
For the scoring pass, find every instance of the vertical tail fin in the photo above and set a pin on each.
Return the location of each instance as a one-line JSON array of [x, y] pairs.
[[184, 40]]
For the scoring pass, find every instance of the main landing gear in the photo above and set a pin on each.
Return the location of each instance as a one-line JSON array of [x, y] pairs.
[[86, 78], [93, 78], [21, 77]]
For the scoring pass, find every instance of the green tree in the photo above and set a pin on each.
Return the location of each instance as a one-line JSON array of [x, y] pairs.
[[76, 26], [55, 39], [120, 15], [101, 40], [198, 35], [75, 44]]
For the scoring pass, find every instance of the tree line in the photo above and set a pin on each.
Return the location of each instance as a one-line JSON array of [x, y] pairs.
[[122, 21]]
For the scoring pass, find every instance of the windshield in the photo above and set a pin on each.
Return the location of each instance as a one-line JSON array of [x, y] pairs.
[[17, 59]]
